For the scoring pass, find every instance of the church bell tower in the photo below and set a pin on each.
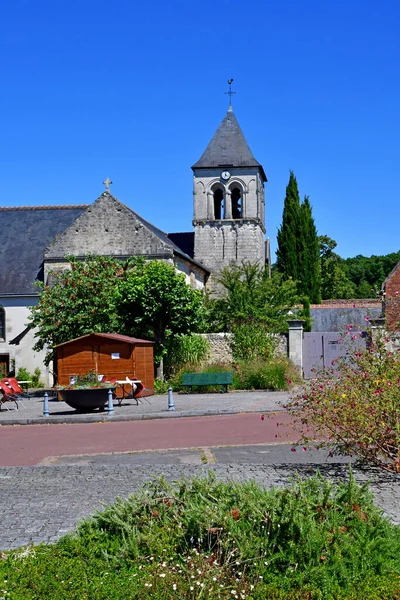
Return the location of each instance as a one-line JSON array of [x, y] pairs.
[[229, 204]]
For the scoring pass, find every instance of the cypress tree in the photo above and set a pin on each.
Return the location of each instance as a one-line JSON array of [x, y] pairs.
[[298, 245], [310, 264], [288, 235]]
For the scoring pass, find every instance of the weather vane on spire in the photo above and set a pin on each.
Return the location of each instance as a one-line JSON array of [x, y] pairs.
[[230, 93]]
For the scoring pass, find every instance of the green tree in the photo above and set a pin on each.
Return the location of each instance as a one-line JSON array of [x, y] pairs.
[[287, 254], [155, 301], [309, 268], [252, 296], [147, 299], [334, 280], [80, 300], [368, 273], [298, 246]]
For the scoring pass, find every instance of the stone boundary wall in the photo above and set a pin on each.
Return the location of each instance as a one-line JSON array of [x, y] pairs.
[[334, 315], [221, 351]]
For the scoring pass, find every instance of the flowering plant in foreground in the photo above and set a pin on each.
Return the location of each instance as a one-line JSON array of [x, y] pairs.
[[354, 406]]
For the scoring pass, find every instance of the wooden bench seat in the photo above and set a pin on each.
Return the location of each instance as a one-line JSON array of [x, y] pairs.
[[223, 379]]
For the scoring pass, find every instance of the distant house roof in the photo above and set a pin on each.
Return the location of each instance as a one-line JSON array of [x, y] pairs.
[[228, 148], [112, 336], [184, 240], [25, 233]]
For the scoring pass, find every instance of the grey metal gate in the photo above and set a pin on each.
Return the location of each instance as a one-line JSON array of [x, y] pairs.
[[321, 348]]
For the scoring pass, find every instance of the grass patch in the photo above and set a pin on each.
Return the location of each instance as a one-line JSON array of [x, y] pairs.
[[201, 538]]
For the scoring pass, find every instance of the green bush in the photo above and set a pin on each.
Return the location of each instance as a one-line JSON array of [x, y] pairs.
[[276, 374], [353, 405], [181, 350], [24, 375], [251, 341], [257, 374], [161, 387], [202, 538]]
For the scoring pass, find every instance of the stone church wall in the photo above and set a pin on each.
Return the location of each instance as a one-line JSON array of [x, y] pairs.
[[108, 227], [220, 245], [221, 346]]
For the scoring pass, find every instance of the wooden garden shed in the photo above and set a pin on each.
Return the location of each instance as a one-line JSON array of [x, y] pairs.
[[109, 354]]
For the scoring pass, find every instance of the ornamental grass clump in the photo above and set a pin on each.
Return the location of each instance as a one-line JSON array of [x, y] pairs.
[[354, 406], [202, 538]]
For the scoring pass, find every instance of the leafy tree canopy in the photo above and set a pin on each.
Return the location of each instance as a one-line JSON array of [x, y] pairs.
[[147, 299], [368, 273], [357, 277], [251, 296], [334, 280]]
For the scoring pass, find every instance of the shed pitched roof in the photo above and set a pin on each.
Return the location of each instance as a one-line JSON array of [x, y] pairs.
[[228, 148], [25, 233], [112, 336]]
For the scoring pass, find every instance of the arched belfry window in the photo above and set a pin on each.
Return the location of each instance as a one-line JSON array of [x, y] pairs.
[[237, 203], [219, 203], [2, 323]]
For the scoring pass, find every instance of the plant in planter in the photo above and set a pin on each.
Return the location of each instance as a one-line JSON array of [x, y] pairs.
[[86, 392]]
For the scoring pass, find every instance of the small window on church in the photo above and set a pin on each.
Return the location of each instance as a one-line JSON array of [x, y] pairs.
[[2, 323], [218, 204], [237, 206]]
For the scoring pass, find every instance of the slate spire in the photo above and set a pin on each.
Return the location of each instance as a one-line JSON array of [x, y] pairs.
[[228, 147]]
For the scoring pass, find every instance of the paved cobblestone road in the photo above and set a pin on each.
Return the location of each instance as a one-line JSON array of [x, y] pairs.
[[40, 504]]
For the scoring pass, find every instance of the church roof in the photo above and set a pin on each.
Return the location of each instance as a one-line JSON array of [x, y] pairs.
[[30, 234], [25, 233], [228, 147], [184, 240]]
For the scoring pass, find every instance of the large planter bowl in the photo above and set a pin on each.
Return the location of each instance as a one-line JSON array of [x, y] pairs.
[[85, 399]]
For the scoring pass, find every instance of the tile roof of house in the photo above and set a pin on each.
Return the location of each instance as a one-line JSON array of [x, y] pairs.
[[25, 233]]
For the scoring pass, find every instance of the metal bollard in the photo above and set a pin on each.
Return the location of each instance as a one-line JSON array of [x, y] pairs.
[[46, 405], [171, 405], [110, 405]]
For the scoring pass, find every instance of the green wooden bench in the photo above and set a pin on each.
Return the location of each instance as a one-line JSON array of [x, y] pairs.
[[222, 379]]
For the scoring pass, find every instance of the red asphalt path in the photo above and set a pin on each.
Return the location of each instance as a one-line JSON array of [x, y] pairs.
[[27, 445]]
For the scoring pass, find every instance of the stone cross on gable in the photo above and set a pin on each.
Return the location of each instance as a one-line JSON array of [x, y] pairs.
[[107, 183]]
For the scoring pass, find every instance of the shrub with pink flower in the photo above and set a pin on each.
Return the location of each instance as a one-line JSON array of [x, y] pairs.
[[355, 404]]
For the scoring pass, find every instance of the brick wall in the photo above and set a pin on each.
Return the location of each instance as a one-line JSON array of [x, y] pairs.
[[392, 300]]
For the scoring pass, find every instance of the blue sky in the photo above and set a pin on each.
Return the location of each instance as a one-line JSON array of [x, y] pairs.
[[134, 91]]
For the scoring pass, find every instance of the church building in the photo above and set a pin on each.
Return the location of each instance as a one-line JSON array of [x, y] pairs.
[[229, 209]]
